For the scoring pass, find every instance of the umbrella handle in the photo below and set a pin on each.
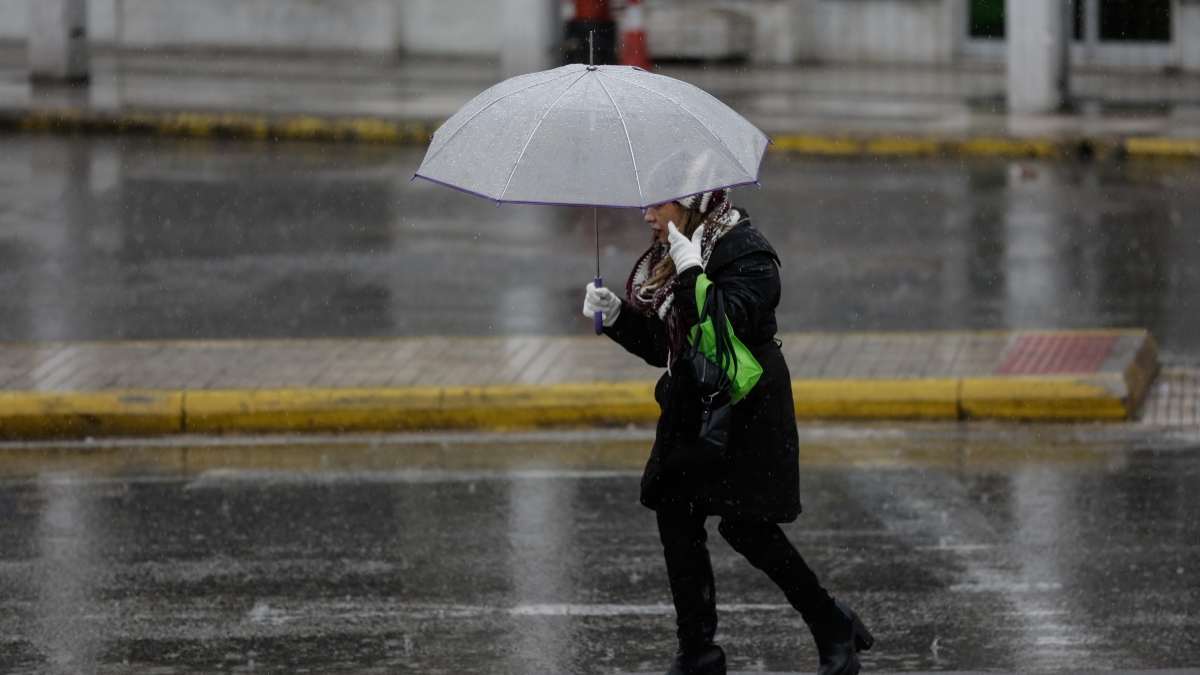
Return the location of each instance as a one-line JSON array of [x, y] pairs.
[[599, 314]]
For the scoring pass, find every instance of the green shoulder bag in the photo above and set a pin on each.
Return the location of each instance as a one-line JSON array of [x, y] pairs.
[[742, 369]]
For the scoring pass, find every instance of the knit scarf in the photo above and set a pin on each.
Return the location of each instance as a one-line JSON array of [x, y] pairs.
[[659, 300]]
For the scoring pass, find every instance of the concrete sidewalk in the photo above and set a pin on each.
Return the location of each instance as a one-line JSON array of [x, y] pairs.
[[85, 389], [831, 110]]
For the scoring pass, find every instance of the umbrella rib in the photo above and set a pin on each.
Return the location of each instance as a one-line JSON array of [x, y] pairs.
[[693, 115], [480, 112], [636, 176], [531, 134]]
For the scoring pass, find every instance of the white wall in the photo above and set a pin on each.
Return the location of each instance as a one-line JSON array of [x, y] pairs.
[[783, 29], [359, 25], [891, 31], [786, 31], [450, 27], [14, 20], [1187, 35]]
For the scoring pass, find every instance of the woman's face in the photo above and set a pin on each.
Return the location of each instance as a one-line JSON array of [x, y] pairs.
[[658, 217]]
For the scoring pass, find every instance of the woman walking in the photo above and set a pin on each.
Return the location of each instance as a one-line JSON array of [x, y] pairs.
[[754, 485]]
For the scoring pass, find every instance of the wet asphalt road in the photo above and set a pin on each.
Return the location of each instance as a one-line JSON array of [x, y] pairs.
[[964, 547], [143, 238]]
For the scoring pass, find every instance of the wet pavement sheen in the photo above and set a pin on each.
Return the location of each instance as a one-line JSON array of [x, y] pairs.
[[1040, 550], [144, 238]]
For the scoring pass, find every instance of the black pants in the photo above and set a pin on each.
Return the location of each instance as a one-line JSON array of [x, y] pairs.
[[763, 544]]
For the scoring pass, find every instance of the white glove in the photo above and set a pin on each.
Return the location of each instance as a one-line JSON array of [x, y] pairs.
[[604, 300], [686, 254]]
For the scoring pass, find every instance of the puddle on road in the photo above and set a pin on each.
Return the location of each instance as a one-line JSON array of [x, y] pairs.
[[403, 456]]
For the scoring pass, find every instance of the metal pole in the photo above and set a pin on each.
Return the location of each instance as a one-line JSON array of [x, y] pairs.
[[596, 226], [595, 218], [599, 281]]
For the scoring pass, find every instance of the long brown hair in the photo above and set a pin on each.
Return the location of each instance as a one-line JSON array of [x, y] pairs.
[[664, 270]]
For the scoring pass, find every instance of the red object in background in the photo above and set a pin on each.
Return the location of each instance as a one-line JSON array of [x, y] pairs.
[[634, 51], [591, 10], [1057, 354]]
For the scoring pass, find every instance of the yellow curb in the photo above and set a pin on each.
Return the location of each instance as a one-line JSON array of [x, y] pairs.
[[507, 407], [1048, 398], [903, 147], [915, 147], [202, 125], [1113, 394], [1003, 147], [817, 145], [876, 399], [32, 414], [382, 130], [1140, 373], [1162, 147]]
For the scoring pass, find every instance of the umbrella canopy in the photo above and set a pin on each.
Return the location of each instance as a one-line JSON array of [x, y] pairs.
[[606, 136]]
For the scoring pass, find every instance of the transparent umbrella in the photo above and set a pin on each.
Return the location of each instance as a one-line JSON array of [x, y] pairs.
[[599, 136]]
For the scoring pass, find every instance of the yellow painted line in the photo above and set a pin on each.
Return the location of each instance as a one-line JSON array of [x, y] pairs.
[[1162, 147], [876, 399], [1047, 398], [32, 414]]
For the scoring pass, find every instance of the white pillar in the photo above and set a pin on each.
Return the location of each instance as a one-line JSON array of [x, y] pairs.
[[532, 31], [1036, 33], [58, 43], [1187, 35]]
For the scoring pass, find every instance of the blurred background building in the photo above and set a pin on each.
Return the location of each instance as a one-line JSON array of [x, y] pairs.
[[1114, 33]]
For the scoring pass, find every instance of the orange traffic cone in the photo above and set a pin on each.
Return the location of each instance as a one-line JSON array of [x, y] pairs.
[[634, 51]]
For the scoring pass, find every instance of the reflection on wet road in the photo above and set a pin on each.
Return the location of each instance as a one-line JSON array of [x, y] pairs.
[[140, 238], [1022, 549]]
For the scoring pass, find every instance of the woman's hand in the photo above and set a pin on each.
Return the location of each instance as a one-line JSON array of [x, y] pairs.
[[603, 300], [685, 253]]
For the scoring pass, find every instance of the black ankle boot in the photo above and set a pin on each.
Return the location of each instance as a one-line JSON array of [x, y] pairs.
[[698, 658], [839, 636]]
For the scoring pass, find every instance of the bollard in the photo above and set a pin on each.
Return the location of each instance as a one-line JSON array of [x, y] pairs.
[[591, 20], [1036, 33], [634, 51], [58, 45]]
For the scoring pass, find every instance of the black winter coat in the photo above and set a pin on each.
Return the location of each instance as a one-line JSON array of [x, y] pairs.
[[758, 478]]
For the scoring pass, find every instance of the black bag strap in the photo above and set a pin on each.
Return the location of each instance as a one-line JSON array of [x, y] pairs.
[[714, 308]]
